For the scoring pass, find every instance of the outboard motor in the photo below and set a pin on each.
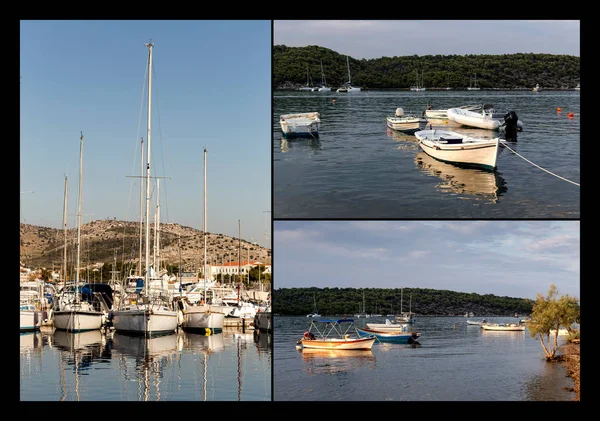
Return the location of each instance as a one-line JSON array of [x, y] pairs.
[[510, 122]]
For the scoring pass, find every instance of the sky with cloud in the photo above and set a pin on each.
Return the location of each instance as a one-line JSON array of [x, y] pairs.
[[370, 39], [505, 258]]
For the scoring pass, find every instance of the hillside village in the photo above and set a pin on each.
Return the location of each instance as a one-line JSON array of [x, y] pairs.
[[104, 242]]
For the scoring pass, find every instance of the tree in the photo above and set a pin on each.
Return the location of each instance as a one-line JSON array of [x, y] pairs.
[[552, 312]]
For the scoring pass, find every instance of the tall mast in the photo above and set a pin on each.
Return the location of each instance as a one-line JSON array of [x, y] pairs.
[[65, 232], [204, 230], [239, 249], [157, 226], [150, 45], [79, 214], [348, 63], [139, 266]]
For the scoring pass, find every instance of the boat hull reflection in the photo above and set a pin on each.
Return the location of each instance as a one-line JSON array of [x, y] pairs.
[[472, 182]]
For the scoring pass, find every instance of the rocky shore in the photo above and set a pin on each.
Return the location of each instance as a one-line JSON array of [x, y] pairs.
[[568, 356]]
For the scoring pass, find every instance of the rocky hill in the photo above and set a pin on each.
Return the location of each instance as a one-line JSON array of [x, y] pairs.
[[104, 241]]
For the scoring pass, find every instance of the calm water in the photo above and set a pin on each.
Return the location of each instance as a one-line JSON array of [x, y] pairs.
[[360, 169], [461, 363], [93, 366]]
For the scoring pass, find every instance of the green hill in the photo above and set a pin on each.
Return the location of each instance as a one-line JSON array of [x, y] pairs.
[[507, 71]]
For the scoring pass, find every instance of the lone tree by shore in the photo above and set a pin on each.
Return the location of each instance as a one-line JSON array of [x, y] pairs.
[[551, 313]]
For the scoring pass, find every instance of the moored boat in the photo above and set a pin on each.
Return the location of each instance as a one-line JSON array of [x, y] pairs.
[[300, 124], [405, 123], [449, 146], [335, 334], [503, 327], [398, 336]]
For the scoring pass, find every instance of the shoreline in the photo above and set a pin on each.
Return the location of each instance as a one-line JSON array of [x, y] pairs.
[[568, 356]]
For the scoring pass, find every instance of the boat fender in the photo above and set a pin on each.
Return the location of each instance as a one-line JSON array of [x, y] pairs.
[[35, 318], [44, 316]]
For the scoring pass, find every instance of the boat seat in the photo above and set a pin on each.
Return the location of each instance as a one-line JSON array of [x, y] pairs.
[[451, 139]]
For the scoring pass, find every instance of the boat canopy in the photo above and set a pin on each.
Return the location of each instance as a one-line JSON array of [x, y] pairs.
[[336, 321]]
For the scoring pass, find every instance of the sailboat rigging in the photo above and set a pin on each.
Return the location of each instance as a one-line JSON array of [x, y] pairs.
[[141, 313], [73, 314], [347, 87]]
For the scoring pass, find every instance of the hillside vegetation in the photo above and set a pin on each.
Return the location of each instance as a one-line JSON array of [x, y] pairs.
[[422, 301], [104, 241], [506, 71]]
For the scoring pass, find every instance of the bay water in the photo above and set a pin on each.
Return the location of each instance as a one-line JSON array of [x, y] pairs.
[[358, 168]]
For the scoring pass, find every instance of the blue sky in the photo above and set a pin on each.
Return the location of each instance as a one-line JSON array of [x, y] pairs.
[[504, 258], [211, 88], [370, 39]]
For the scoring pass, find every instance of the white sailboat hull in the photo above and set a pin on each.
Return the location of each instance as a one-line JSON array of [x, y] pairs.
[[139, 320], [202, 318], [77, 320], [30, 320]]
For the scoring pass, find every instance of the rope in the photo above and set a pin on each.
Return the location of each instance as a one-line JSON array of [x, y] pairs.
[[535, 165]]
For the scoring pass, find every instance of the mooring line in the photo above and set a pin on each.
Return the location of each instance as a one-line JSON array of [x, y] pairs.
[[535, 165]]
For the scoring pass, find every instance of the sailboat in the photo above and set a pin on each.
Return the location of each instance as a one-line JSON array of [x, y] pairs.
[[347, 87], [473, 86], [362, 313], [323, 87], [76, 315], [201, 317], [404, 317], [419, 86], [143, 314], [307, 87], [315, 312]]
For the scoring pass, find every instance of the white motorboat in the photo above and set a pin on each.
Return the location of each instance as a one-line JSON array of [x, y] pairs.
[[300, 124], [487, 118], [405, 123], [449, 146]]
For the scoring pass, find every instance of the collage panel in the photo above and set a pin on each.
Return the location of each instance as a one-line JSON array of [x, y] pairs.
[[425, 310], [145, 212], [426, 232]]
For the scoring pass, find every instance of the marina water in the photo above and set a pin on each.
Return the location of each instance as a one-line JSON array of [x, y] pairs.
[[96, 366], [455, 361], [358, 168]]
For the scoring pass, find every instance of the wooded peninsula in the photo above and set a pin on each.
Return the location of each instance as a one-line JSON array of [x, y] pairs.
[[387, 301], [292, 65]]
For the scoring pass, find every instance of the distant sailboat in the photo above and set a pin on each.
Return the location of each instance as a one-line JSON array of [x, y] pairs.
[[347, 87], [473, 86], [315, 312], [307, 87], [323, 87]]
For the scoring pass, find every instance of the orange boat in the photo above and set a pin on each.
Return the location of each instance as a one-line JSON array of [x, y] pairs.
[[335, 334]]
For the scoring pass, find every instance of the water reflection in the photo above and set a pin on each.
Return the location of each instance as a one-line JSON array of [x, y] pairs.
[[300, 144], [335, 361], [311, 353], [478, 184], [78, 353], [151, 355]]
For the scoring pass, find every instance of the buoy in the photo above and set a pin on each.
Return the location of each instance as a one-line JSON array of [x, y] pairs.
[[333, 101], [570, 115], [208, 331], [559, 109], [298, 347]]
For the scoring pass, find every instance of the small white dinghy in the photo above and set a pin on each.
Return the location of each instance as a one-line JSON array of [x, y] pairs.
[[449, 146], [300, 124]]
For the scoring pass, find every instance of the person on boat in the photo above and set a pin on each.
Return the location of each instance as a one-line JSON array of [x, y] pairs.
[[309, 336]]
